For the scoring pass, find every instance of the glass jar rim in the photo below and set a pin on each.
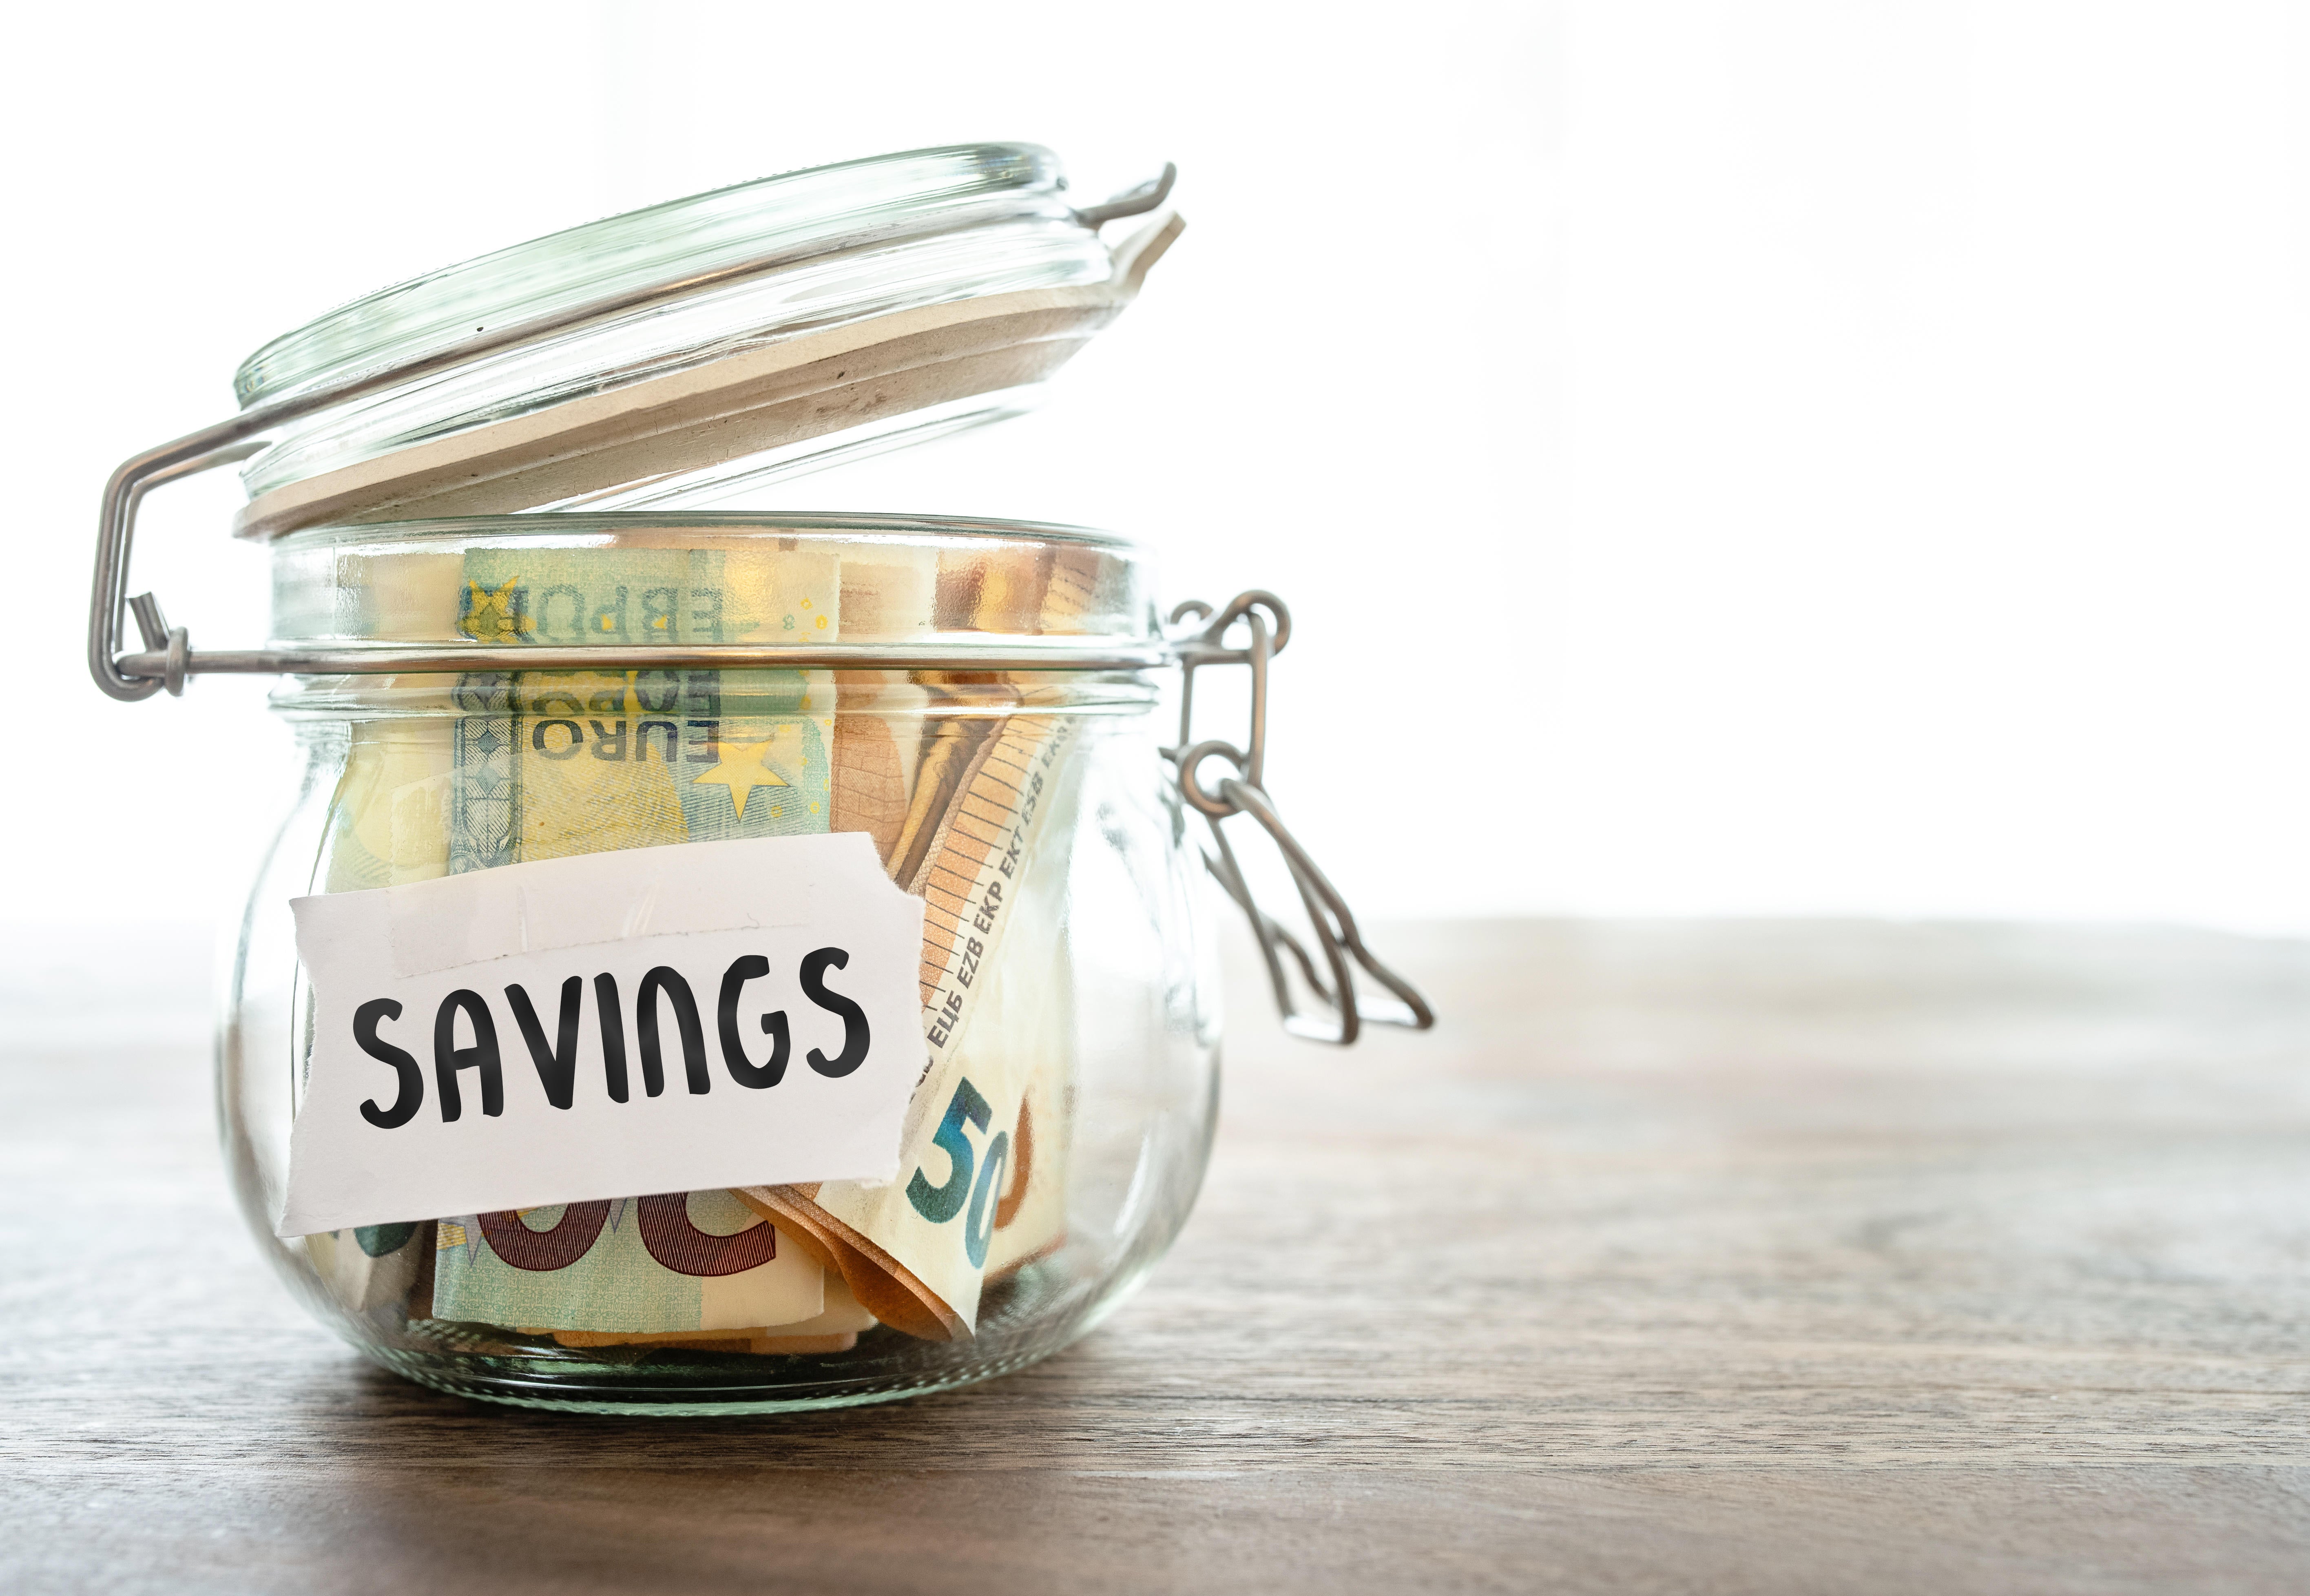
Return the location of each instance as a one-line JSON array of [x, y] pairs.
[[936, 591], [863, 526], [813, 210]]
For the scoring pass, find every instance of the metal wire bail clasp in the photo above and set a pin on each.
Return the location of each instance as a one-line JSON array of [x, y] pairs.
[[167, 657], [1269, 625]]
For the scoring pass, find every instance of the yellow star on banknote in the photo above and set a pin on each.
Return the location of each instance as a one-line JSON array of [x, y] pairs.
[[745, 766], [491, 616]]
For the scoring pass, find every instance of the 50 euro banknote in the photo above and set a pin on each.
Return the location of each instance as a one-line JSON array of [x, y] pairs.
[[978, 1189], [983, 1159]]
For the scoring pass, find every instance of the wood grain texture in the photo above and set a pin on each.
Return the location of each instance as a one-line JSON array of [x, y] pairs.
[[1732, 1257]]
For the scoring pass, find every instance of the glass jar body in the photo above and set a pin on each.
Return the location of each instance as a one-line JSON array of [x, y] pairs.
[[1100, 976]]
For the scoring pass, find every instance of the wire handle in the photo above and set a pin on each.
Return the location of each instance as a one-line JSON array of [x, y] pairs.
[[167, 657], [1269, 625]]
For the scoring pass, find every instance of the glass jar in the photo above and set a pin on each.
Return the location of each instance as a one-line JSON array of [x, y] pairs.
[[516, 640], [1097, 1030]]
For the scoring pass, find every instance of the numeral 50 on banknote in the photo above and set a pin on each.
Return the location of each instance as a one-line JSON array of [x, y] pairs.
[[940, 1204]]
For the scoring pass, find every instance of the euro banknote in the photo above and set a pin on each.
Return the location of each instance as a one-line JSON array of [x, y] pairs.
[[682, 1263], [998, 1020], [542, 765], [955, 785]]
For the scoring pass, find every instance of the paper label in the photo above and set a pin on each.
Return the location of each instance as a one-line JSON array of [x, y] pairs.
[[610, 1025]]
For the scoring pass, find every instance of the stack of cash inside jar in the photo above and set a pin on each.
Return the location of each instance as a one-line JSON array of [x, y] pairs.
[[965, 781]]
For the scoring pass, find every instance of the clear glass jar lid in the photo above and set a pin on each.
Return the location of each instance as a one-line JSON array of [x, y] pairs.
[[694, 341], [815, 212]]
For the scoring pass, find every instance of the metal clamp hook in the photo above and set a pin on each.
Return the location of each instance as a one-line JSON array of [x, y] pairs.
[[1269, 624]]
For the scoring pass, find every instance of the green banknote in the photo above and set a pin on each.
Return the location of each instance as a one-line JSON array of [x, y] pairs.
[[697, 1260], [542, 764]]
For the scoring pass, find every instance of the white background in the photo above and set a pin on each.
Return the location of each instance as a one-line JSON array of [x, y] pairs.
[[1725, 459]]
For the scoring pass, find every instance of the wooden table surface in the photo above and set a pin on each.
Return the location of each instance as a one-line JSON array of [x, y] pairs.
[[1771, 1257]]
